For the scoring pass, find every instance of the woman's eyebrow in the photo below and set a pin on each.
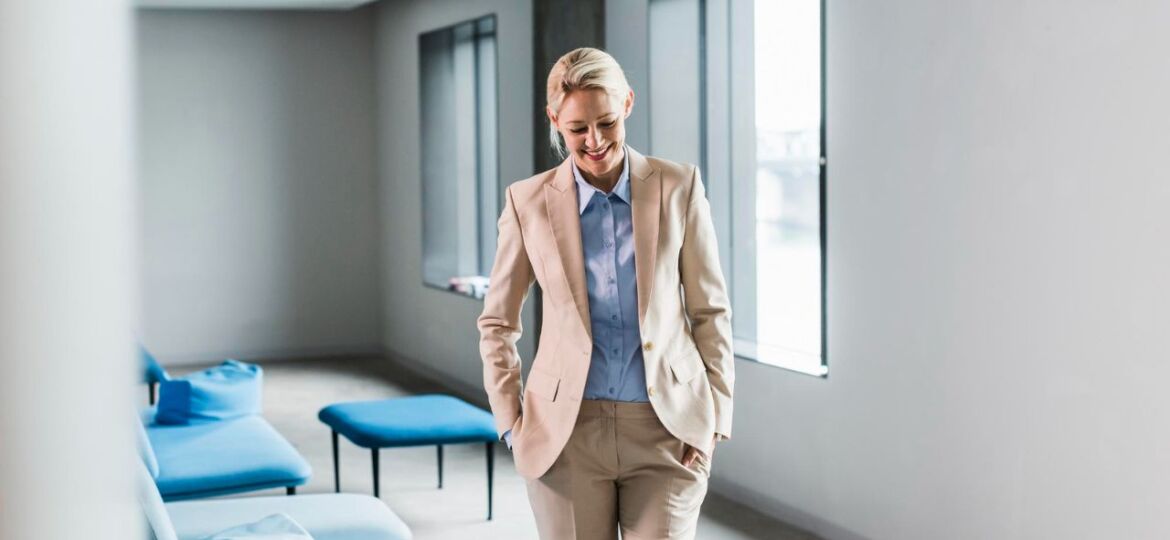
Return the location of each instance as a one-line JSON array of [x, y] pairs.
[[602, 118]]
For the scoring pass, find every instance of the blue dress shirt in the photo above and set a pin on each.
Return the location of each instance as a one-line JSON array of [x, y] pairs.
[[616, 369]]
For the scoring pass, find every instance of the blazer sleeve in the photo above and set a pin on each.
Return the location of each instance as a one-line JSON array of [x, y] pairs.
[[707, 304], [499, 324]]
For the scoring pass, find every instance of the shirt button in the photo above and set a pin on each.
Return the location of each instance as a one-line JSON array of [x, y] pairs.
[[611, 280], [647, 346], [650, 391], [611, 389]]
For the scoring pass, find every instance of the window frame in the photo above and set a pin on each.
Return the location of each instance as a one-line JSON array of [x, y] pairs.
[[727, 42], [487, 195]]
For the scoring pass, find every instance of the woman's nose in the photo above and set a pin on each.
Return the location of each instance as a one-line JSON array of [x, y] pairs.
[[594, 138]]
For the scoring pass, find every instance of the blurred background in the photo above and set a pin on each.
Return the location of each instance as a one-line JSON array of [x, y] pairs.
[[948, 285]]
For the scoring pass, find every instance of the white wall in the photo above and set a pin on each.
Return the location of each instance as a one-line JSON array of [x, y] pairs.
[[427, 328], [998, 305], [257, 137], [66, 285]]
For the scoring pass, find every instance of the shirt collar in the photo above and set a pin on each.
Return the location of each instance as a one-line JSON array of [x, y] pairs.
[[585, 190]]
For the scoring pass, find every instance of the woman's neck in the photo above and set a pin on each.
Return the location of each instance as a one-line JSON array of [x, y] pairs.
[[607, 180]]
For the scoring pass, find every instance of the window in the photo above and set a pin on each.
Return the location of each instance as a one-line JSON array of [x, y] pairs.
[[782, 270], [457, 94], [752, 72]]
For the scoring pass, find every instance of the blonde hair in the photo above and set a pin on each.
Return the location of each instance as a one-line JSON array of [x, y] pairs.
[[581, 69]]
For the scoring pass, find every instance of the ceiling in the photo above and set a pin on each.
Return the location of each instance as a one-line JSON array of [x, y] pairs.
[[251, 4]]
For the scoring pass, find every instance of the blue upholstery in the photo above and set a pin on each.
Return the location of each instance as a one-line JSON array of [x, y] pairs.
[[229, 390], [325, 517], [221, 457], [152, 372], [330, 516], [410, 421]]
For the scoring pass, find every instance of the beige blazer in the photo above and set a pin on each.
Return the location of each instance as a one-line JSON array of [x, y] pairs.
[[683, 310]]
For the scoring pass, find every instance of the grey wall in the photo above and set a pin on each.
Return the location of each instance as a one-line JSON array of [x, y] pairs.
[[428, 328], [996, 214], [997, 282], [259, 186]]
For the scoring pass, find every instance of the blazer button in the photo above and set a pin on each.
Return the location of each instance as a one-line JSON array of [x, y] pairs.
[[649, 345], [650, 391]]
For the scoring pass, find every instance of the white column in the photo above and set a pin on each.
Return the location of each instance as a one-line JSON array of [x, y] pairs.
[[67, 296]]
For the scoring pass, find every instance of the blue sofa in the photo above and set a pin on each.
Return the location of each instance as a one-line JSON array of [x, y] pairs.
[[221, 457], [325, 517], [152, 373]]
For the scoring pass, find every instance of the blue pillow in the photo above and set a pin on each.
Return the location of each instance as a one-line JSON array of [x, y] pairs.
[[229, 390]]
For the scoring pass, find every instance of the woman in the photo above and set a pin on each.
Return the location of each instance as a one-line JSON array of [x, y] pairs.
[[630, 387]]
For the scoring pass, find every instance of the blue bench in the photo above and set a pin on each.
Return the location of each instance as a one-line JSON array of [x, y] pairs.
[[424, 420], [222, 457], [325, 517]]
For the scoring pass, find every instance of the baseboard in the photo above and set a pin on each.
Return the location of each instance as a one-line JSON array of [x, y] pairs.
[[771, 506], [469, 393], [272, 355]]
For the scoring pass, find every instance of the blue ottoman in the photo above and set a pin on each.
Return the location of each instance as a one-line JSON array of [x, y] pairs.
[[411, 421]]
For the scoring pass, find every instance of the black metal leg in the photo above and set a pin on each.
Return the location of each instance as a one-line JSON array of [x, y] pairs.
[[491, 465], [336, 467], [440, 447], [153, 391], [290, 491], [374, 452]]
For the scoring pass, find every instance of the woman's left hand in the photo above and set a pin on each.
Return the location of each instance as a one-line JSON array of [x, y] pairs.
[[691, 453]]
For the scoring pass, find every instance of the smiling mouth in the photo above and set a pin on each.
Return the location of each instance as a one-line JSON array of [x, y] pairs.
[[597, 156]]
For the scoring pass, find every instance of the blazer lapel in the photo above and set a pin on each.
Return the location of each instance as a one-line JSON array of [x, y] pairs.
[[646, 193], [560, 198]]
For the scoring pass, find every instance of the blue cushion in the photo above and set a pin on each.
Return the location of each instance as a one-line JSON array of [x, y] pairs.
[[174, 402], [229, 456], [152, 372], [229, 390], [330, 516], [410, 421]]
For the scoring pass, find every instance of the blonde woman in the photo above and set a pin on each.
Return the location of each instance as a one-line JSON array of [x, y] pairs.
[[632, 382]]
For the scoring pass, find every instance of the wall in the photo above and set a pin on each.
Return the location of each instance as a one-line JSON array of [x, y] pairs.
[[996, 298], [427, 328], [997, 282], [257, 137], [67, 288]]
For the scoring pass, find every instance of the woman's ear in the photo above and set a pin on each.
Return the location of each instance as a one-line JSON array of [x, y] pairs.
[[629, 103], [552, 117]]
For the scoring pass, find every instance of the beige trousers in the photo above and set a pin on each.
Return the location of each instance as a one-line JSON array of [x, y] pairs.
[[620, 469]]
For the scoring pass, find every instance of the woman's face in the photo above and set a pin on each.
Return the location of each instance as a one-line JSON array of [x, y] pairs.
[[593, 124]]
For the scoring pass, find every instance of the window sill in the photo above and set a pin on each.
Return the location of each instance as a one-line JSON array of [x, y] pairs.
[[800, 362]]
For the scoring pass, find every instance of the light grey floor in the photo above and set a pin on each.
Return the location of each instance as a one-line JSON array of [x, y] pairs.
[[295, 390]]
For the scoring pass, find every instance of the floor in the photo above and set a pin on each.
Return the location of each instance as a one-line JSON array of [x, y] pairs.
[[294, 390]]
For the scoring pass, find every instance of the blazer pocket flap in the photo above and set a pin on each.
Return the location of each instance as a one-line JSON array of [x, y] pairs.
[[686, 366], [543, 385]]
